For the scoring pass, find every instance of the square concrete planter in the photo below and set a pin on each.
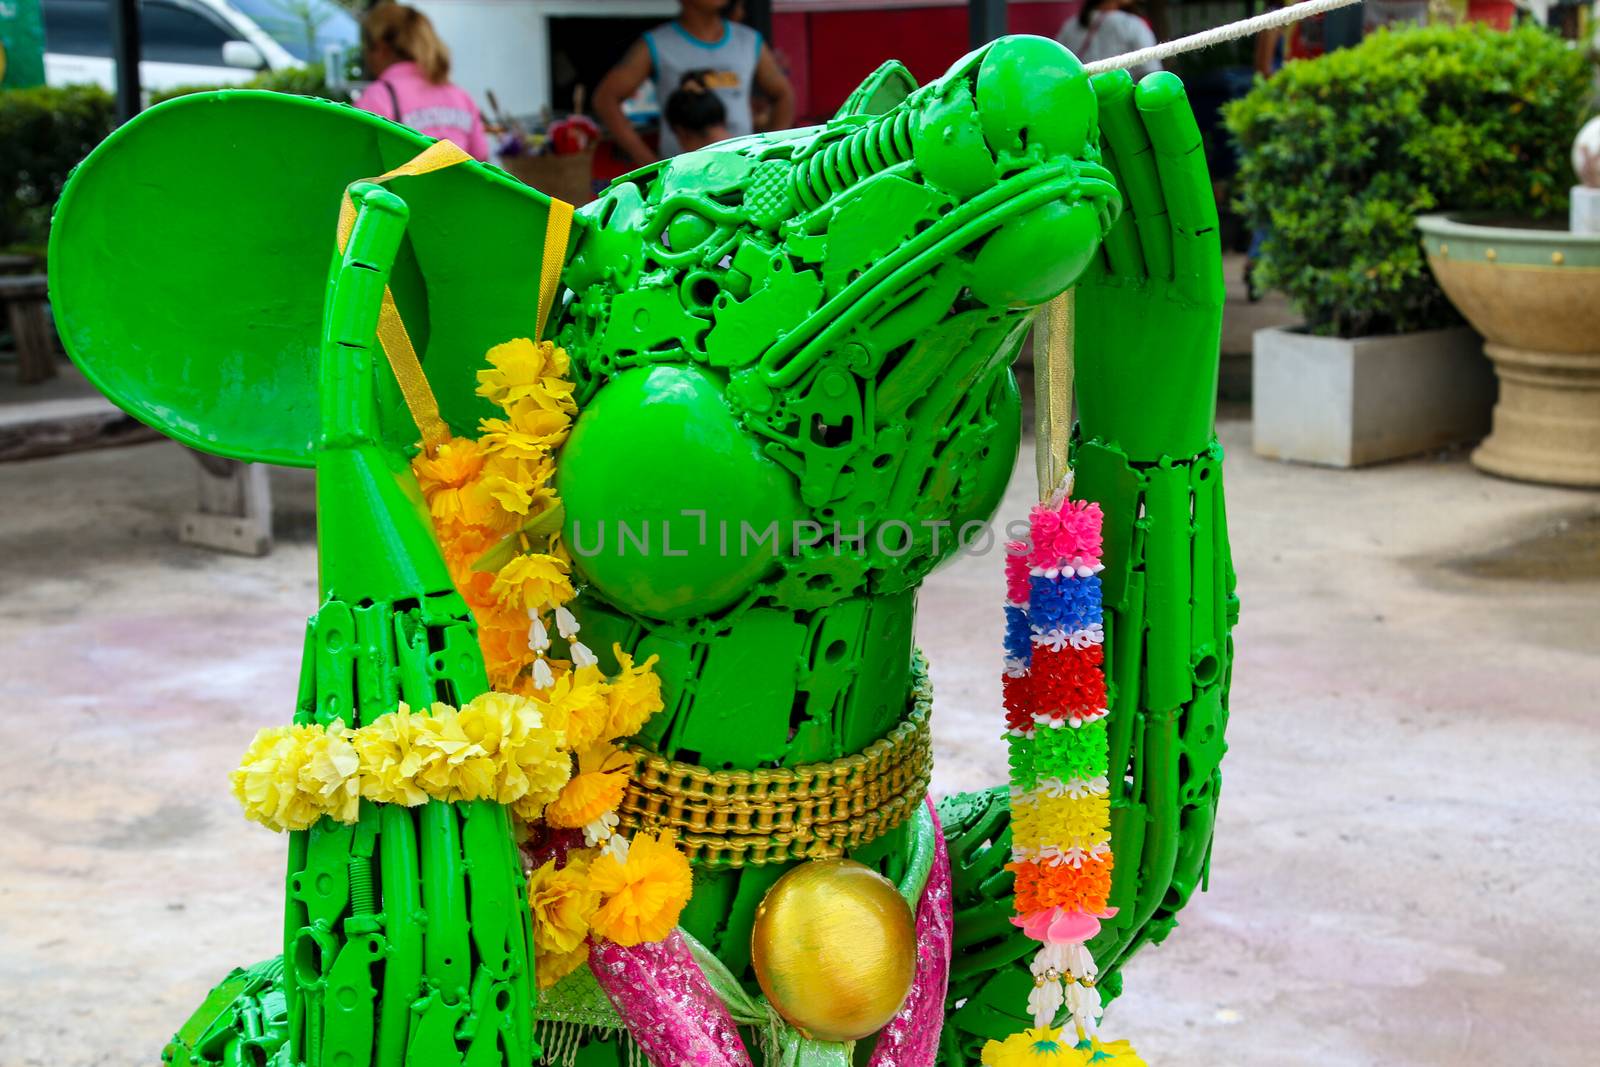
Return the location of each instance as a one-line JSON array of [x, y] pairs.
[[1348, 403]]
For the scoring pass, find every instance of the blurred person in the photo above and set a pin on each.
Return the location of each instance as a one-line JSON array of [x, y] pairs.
[[412, 71], [760, 106], [734, 61], [1106, 28], [695, 114]]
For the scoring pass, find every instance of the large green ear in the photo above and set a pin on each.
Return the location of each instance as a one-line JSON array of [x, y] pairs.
[[190, 252], [883, 89]]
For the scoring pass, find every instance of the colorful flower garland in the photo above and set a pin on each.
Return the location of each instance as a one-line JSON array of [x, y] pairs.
[[1056, 703]]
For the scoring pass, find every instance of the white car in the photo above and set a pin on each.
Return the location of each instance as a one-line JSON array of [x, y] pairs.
[[194, 42]]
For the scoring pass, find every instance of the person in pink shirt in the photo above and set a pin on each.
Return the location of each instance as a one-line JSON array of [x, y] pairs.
[[412, 68]]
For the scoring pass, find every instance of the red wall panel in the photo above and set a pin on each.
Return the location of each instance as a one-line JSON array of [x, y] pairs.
[[828, 50]]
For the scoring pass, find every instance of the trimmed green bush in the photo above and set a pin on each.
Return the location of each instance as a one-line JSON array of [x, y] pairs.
[[310, 80], [1340, 154], [44, 133]]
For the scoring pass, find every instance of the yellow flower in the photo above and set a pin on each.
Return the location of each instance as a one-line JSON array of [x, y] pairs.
[[532, 763], [1042, 1047], [596, 789], [531, 431], [519, 367], [518, 486], [454, 766], [267, 781], [562, 902], [578, 703], [552, 394], [328, 771], [643, 893], [533, 581], [390, 759], [634, 696], [1081, 821], [551, 967]]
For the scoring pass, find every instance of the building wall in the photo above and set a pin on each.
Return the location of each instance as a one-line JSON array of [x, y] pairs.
[[828, 46]]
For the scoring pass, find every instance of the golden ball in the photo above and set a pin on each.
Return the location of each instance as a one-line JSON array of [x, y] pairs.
[[835, 949]]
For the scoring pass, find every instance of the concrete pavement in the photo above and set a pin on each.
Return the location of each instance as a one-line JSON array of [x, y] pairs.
[[1405, 869]]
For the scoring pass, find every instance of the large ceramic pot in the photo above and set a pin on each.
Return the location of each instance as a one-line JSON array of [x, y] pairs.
[[1533, 291]]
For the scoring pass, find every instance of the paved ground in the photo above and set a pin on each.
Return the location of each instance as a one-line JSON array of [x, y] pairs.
[[1405, 869]]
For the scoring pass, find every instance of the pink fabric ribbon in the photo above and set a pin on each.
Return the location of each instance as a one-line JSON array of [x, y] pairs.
[[912, 1037], [669, 1006]]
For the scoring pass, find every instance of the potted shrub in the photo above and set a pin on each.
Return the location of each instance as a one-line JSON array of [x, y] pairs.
[[1339, 156]]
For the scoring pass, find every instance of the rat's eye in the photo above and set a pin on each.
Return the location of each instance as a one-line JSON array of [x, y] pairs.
[[687, 230]]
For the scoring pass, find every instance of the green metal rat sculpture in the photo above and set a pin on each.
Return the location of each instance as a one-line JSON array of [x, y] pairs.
[[793, 356]]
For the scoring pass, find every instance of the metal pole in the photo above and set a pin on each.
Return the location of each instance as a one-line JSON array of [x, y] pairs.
[[126, 52], [986, 20]]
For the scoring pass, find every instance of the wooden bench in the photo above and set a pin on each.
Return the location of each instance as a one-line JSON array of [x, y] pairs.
[[26, 297]]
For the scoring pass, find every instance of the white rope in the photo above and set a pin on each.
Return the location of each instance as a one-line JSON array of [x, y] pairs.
[[1231, 32]]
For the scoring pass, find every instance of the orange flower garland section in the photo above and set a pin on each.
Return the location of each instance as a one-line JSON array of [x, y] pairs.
[[498, 521], [491, 493]]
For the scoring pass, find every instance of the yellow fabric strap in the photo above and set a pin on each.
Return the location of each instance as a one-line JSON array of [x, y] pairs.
[[392, 335], [555, 253], [1052, 392]]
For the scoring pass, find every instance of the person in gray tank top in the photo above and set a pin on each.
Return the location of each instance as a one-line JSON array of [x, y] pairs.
[[729, 58]]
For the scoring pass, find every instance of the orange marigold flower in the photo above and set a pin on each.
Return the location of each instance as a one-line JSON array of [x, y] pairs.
[[505, 655], [594, 791], [643, 892], [452, 465]]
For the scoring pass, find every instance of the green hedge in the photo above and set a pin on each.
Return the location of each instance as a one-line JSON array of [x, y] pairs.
[[44, 133], [1339, 154]]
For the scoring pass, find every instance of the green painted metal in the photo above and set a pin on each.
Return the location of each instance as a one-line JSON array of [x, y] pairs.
[[189, 257], [793, 357]]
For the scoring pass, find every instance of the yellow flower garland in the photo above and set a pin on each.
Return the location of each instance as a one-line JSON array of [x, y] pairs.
[[497, 747]]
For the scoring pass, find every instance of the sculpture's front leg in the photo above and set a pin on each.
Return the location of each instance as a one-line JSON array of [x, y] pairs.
[[1148, 317]]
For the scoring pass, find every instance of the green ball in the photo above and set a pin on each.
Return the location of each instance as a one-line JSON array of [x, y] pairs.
[[672, 510]]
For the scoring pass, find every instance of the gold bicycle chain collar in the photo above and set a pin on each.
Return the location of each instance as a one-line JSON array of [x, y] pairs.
[[734, 818]]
